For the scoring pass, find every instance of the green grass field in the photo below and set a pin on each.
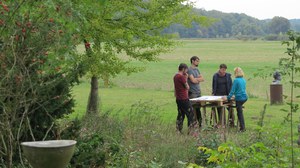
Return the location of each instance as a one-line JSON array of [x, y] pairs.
[[155, 83]]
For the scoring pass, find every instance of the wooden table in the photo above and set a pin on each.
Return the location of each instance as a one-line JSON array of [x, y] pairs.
[[213, 102]]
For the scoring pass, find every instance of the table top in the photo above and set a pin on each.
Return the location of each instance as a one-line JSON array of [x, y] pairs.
[[207, 99]]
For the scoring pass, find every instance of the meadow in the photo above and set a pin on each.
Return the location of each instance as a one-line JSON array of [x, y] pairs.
[[155, 83]]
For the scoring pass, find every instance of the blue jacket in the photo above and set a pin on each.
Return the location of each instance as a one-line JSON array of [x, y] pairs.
[[238, 89]]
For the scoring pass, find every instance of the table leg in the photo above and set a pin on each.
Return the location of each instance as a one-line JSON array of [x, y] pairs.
[[213, 118], [203, 116], [223, 117]]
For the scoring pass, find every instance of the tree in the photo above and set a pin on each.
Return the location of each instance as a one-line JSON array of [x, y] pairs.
[[37, 72], [246, 27], [289, 66], [118, 32], [279, 25], [295, 24]]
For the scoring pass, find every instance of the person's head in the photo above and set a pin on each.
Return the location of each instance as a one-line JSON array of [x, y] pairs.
[[183, 67], [222, 69], [238, 72], [195, 60]]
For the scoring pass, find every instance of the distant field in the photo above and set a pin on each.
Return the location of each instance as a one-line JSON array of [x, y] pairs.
[[156, 85], [250, 56]]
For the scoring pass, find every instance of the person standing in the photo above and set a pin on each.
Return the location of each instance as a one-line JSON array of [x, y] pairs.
[[182, 100], [221, 85], [239, 90], [194, 79]]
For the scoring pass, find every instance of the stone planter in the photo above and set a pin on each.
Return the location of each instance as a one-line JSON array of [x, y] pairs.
[[49, 154]]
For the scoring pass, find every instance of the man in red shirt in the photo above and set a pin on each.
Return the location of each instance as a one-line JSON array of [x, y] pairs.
[[182, 99]]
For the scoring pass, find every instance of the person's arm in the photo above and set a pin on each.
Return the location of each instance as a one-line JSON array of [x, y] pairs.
[[232, 91], [184, 81], [196, 80], [214, 85], [230, 82], [200, 78], [186, 85]]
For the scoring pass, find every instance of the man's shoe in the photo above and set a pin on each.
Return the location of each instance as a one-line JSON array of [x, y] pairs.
[[242, 130]]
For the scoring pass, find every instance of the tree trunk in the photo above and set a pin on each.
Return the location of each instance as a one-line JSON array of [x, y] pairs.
[[93, 102]]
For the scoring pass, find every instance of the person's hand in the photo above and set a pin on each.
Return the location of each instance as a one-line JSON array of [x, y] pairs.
[[224, 97], [200, 78], [185, 75]]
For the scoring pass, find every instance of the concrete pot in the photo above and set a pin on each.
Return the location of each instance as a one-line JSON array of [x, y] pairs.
[[49, 154]]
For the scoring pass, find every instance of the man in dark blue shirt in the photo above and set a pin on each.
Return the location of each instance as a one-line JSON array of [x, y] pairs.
[[221, 85]]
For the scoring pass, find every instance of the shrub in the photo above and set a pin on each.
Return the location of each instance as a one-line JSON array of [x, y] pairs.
[[209, 139], [37, 72], [276, 37], [90, 152], [98, 140]]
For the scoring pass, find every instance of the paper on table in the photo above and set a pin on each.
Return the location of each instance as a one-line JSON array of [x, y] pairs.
[[209, 98]]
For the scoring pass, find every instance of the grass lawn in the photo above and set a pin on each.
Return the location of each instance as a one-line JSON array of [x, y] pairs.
[[156, 86]]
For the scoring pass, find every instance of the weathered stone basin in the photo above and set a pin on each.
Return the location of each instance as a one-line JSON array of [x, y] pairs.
[[49, 154]]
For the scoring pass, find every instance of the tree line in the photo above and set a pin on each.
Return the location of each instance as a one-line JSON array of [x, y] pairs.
[[228, 25]]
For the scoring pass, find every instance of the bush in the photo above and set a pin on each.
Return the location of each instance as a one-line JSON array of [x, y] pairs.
[[262, 148], [246, 37], [90, 152], [210, 139], [37, 72], [98, 140], [276, 37]]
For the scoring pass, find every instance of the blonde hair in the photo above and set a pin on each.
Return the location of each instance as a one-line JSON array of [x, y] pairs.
[[238, 72]]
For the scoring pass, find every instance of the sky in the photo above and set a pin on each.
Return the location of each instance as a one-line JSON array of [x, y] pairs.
[[260, 9]]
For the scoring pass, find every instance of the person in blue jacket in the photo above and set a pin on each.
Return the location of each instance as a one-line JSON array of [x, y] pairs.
[[238, 89]]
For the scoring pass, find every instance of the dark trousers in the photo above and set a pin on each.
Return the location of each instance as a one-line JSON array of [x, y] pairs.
[[198, 114], [219, 109], [239, 109], [196, 108], [184, 109]]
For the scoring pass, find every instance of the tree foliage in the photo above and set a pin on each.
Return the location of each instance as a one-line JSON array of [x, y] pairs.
[[279, 25], [122, 31], [38, 68], [290, 67], [116, 33]]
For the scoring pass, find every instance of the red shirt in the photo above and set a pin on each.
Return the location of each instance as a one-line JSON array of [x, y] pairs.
[[180, 91]]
